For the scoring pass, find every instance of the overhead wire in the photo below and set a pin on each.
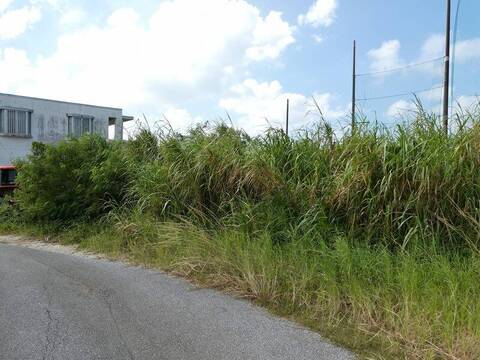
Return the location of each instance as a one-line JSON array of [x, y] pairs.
[[401, 94], [409, 66]]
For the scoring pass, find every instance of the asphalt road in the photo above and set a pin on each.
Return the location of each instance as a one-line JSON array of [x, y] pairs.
[[62, 306]]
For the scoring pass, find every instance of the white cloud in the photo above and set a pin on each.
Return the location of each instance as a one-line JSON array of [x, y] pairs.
[[181, 119], [4, 4], [401, 108], [321, 13], [178, 119], [434, 48], [15, 22], [187, 49], [72, 16], [386, 57], [256, 105], [68, 12], [468, 50], [466, 103], [15, 68], [270, 37], [318, 38], [436, 94]]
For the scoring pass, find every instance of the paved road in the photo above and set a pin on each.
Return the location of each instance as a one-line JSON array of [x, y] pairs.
[[61, 306]]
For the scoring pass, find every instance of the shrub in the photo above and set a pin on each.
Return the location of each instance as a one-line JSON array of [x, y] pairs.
[[74, 179]]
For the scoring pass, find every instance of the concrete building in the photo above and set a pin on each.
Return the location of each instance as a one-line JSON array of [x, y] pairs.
[[24, 120]]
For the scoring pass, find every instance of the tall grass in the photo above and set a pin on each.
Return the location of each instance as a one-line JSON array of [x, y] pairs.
[[378, 186], [371, 237]]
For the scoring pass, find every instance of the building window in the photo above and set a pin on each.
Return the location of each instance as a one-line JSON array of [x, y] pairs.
[[7, 177], [15, 122], [79, 125]]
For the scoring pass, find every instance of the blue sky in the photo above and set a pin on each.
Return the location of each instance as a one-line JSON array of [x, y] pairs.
[[196, 60]]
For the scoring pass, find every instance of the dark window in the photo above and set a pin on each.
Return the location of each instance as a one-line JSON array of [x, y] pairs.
[[7, 177]]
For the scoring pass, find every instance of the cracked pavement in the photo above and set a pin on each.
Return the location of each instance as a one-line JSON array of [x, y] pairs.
[[57, 305]]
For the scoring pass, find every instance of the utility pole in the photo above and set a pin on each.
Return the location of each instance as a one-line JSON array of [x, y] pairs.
[[354, 80], [446, 84], [287, 117], [452, 77]]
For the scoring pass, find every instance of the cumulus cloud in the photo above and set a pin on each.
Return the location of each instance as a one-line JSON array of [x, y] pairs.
[[468, 50], [181, 118], [386, 57], [436, 94], [72, 16], [401, 108], [321, 13], [271, 36], [187, 49], [15, 22], [4, 4], [466, 103], [15, 68], [257, 105], [318, 38], [434, 48]]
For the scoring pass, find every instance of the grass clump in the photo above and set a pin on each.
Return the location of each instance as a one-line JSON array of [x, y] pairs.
[[371, 238]]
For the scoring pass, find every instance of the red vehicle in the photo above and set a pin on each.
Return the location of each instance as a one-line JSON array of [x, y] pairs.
[[8, 174]]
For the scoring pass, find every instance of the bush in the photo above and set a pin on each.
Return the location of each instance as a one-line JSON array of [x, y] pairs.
[[77, 178]]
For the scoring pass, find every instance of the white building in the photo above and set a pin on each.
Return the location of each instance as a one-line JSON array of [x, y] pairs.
[[24, 120]]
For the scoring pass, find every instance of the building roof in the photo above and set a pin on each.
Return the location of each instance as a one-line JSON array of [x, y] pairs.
[[60, 101], [124, 119]]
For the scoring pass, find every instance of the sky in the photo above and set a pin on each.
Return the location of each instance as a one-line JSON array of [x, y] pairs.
[[192, 61]]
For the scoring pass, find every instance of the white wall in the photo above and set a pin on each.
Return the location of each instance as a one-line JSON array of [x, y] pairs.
[[49, 123]]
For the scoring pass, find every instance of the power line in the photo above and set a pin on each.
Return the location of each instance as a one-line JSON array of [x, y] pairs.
[[400, 95], [401, 68]]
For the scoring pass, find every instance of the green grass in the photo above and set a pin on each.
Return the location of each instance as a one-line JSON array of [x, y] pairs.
[[372, 238]]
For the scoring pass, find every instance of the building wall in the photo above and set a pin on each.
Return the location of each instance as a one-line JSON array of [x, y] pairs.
[[50, 123]]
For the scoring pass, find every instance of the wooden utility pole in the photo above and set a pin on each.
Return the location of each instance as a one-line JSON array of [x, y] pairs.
[[446, 83], [287, 117], [354, 80], [452, 76]]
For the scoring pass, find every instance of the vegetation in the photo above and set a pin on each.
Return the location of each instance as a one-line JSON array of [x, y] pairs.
[[372, 238]]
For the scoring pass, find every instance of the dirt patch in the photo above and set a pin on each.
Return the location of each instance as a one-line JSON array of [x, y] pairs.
[[33, 243]]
